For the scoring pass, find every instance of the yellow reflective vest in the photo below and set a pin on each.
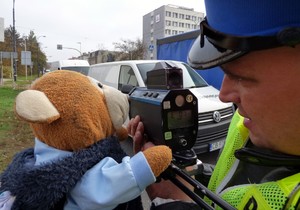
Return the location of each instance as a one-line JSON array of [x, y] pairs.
[[276, 194]]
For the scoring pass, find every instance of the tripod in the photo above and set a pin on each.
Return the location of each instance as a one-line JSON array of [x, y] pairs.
[[185, 158]]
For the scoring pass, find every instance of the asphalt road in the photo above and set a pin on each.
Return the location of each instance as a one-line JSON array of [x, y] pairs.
[[209, 157], [127, 146]]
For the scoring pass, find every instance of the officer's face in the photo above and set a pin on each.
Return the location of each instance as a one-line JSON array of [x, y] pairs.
[[265, 85]]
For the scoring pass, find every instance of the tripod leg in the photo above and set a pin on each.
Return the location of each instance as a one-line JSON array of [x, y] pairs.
[[171, 173]]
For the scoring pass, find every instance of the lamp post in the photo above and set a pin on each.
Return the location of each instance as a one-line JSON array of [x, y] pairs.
[[15, 45], [38, 63]]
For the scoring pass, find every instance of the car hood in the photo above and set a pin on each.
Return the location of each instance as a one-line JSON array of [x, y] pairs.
[[208, 99]]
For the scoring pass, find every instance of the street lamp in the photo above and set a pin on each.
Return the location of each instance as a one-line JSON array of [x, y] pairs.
[[38, 63]]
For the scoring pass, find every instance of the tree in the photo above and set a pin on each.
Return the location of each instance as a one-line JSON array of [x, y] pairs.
[[38, 57], [130, 50], [31, 45]]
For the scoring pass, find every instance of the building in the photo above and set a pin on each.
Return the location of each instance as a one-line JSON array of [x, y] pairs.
[[166, 21]]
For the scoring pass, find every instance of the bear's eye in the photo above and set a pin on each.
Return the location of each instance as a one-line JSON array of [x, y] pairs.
[[100, 85]]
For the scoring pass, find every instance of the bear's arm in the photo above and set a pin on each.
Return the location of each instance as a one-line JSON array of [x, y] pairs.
[[108, 183]]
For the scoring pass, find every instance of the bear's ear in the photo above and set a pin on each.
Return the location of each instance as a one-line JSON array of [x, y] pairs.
[[34, 106]]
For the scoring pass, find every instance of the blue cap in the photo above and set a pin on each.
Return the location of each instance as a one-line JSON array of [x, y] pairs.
[[234, 27]]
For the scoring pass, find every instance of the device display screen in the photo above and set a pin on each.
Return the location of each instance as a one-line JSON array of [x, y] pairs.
[[180, 119]]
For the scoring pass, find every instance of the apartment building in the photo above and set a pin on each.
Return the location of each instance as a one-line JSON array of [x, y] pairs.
[[168, 20]]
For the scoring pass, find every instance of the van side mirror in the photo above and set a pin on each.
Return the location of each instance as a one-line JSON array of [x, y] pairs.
[[126, 88]]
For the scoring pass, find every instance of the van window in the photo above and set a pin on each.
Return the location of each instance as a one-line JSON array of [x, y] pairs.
[[107, 74], [81, 69], [193, 79], [144, 68], [127, 77]]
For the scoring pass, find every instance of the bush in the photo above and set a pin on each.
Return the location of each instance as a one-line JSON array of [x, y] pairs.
[[7, 72]]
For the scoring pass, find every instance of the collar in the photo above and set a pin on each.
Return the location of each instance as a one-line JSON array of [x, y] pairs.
[[265, 157], [44, 153]]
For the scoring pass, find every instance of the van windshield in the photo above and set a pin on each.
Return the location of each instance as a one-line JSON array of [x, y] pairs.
[[81, 69], [190, 77]]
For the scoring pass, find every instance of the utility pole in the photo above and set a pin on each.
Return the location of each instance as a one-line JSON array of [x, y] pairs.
[[14, 45], [25, 57]]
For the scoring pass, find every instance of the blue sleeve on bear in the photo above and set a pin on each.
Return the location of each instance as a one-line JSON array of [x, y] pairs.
[[108, 183]]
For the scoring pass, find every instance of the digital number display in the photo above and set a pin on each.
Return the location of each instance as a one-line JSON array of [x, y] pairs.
[[180, 119]]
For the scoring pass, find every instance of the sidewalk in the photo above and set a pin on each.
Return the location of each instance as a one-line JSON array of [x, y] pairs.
[[10, 83]]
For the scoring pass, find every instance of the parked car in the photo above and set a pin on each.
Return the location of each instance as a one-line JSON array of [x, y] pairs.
[[214, 116]]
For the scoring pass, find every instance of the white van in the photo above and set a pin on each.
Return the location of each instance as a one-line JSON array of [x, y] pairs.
[[81, 66], [214, 116]]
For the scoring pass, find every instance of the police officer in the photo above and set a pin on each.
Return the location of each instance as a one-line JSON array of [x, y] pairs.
[[257, 45]]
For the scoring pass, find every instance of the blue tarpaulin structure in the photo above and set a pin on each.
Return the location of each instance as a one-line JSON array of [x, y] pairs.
[[177, 48]]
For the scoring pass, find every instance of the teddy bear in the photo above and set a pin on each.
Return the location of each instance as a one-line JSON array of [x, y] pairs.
[[77, 161]]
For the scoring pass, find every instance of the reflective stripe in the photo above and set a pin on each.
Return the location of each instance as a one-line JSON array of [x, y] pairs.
[[228, 177]]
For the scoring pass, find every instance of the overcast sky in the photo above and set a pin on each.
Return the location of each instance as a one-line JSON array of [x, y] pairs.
[[96, 24]]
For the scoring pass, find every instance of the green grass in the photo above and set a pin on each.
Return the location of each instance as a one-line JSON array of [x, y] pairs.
[[15, 135]]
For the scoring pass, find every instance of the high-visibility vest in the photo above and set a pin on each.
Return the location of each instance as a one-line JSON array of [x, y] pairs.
[[279, 194]]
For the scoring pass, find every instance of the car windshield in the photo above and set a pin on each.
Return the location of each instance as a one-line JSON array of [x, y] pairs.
[[190, 77], [81, 69]]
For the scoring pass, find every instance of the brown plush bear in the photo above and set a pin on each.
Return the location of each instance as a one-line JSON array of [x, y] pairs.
[[77, 161]]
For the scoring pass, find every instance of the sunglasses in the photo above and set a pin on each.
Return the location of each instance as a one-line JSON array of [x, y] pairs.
[[214, 48], [286, 37]]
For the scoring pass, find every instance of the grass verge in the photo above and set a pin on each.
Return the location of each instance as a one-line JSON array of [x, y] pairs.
[[15, 135]]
